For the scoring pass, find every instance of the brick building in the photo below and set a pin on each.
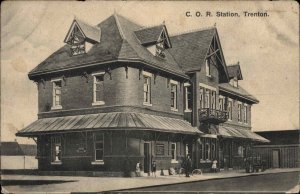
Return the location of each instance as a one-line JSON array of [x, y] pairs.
[[118, 93]]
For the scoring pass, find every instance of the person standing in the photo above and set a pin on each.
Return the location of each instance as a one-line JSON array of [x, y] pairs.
[[188, 166], [153, 168], [138, 169], [214, 165]]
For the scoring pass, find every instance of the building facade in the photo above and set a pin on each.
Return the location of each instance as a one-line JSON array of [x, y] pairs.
[[282, 151], [118, 93]]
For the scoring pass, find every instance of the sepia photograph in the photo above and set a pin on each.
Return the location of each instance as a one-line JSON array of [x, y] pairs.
[[150, 97]]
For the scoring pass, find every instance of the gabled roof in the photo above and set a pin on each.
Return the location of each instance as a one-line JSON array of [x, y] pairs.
[[190, 49], [118, 43], [238, 91], [235, 71], [11, 149], [149, 35], [109, 121], [92, 33]]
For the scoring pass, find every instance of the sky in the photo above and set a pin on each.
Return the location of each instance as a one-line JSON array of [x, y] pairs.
[[266, 47]]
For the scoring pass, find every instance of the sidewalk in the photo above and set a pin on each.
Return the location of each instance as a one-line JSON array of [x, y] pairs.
[[98, 184]]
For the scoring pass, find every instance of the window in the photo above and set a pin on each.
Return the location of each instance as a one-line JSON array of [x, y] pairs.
[[245, 113], [221, 102], [147, 90], [188, 97], [201, 97], [174, 95], [56, 150], [98, 89], [229, 109], [160, 149], [57, 85], [207, 67], [98, 147], [239, 112], [173, 152], [213, 99], [207, 98], [207, 151]]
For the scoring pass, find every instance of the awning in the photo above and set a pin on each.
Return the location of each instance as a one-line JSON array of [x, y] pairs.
[[230, 132], [108, 121]]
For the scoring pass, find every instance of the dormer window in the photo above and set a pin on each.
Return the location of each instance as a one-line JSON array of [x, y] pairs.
[[81, 37], [234, 82], [155, 39]]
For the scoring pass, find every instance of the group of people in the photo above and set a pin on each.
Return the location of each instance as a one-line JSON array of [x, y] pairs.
[[138, 169], [187, 165]]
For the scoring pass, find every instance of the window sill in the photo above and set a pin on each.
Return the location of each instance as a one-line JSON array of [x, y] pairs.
[[56, 107], [56, 163], [208, 76], [188, 110], [100, 162], [147, 104], [229, 120], [174, 109], [174, 161], [98, 103]]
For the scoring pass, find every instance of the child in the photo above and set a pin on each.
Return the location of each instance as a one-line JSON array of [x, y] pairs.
[[153, 168], [214, 165], [137, 169]]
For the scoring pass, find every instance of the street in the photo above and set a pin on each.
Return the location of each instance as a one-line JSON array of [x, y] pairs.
[[280, 182], [228, 181]]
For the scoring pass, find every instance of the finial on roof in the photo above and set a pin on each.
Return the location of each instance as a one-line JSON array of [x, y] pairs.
[[238, 63], [215, 24], [164, 22]]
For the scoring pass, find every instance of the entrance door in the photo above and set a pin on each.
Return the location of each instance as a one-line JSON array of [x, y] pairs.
[[275, 157], [147, 158]]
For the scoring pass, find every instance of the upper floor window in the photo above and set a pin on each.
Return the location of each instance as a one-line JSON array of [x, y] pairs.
[[188, 97], [56, 150], [201, 96], [229, 109], [234, 82], [174, 85], [239, 112], [213, 99], [207, 98], [147, 88], [207, 67], [56, 94], [245, 113], [98, 88], [98, 147], [221, 102], [173, 152]]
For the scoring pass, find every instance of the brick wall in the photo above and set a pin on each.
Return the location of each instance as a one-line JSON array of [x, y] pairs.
[[119, 90]]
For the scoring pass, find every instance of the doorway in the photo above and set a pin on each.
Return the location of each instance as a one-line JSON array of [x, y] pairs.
[[275, 158], [147, 158]]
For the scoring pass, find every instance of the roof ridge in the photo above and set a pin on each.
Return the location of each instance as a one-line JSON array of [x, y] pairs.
[[192, 31], [119, 26], [84, 22], [152, 26]]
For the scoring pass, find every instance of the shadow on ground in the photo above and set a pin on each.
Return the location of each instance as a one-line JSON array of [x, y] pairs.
[[31, 182]]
